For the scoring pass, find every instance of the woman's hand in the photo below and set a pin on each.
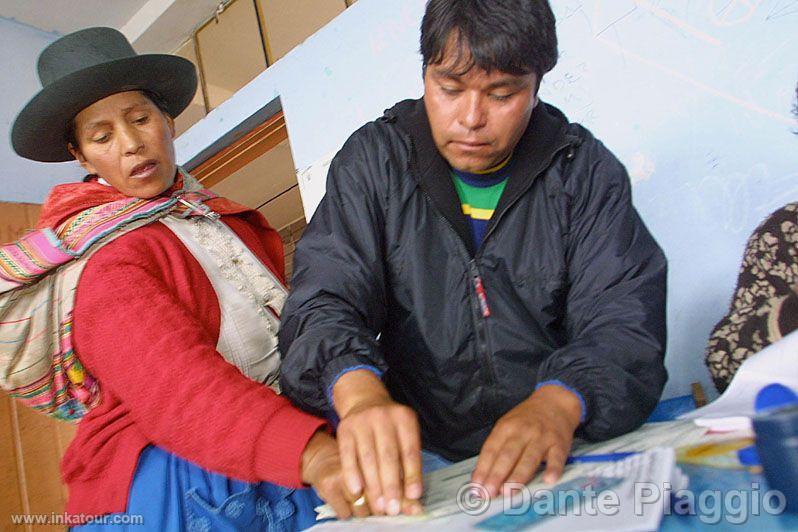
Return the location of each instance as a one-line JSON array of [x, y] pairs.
[[321, 468]]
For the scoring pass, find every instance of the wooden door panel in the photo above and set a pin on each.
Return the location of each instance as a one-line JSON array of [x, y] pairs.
[[31, 444]]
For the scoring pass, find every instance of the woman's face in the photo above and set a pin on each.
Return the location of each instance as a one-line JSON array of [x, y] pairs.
[[126, 140]]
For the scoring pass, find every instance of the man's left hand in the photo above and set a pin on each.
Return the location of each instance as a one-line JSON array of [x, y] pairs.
[[540, 428]]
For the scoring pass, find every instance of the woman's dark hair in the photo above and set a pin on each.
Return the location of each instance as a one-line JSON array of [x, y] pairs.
[[71, 134], [513, 36]]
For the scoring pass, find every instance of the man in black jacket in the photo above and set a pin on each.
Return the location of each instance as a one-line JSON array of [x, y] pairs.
[[476, 279]]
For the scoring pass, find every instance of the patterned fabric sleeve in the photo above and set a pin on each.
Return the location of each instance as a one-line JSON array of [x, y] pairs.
[[765, 303]]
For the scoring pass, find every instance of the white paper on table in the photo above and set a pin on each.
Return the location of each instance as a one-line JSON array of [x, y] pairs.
[[441, 486], [777, 363], [643, 496]]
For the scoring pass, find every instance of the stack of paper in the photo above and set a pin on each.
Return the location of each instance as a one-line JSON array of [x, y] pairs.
[[732, 411]]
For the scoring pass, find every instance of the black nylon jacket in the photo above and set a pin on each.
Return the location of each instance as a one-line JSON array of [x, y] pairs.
[[567, 285]]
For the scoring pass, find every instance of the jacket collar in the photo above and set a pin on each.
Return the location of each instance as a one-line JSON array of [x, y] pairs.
[[544, 137]]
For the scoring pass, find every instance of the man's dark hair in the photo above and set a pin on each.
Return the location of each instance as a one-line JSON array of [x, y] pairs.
[[71, 134], [513, 36]]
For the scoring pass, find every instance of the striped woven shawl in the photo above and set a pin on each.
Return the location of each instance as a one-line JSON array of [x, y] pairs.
[[38, 278]]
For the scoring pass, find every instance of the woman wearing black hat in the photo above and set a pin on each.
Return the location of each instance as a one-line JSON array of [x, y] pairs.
[[169, 296]]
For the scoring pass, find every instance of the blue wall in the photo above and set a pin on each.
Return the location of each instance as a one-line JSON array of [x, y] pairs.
[[22, 180], [695, 99]]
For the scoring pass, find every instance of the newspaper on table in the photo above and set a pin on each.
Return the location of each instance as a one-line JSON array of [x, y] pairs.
[[440, 498], [630, 495]]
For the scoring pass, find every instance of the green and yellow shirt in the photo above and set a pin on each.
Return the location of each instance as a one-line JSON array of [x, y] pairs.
[[479, 195]]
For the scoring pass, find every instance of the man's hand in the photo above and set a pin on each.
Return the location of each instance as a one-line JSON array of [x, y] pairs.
[[380, 444], [541, 428], [321, 468]]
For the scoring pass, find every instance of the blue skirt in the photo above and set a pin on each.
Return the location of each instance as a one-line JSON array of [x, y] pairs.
[[172, 494]]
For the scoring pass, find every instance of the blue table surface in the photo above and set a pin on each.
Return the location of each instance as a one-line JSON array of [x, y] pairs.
[[719, 484], [744, 491]]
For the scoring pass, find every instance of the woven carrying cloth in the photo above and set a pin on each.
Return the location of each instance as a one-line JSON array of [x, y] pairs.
[[39, 276]]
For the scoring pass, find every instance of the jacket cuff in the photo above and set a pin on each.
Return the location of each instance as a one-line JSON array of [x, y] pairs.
[[338, 367], [561, 384]]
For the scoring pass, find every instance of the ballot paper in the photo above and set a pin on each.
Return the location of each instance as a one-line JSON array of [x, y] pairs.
[[732, 411], [441, 487], [636, 500]]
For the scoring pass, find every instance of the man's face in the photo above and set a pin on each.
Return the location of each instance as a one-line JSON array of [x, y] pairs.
[[477, 117]]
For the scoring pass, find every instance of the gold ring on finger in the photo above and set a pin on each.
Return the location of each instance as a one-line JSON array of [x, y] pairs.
[[360, 501]]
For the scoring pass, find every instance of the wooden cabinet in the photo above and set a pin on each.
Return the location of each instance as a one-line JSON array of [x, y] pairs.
[[287, 23]]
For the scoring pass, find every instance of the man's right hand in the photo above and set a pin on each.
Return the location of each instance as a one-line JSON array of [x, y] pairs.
[[380, 444]]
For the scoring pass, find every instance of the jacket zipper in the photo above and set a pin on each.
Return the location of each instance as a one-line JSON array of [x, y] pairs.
[[479, 288], [481, 310], [482, 313]]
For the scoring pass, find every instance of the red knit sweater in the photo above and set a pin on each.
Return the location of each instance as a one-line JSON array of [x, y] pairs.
[[146, 323]]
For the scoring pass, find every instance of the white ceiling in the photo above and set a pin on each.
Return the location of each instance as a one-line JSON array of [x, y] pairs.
[[153, 26], [65, 16]]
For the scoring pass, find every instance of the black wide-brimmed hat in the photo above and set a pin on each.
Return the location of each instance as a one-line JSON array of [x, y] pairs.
[[84, 67]]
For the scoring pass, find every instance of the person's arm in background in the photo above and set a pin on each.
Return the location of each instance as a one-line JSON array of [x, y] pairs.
[[610, 374], [336, 309], [765, 303]]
